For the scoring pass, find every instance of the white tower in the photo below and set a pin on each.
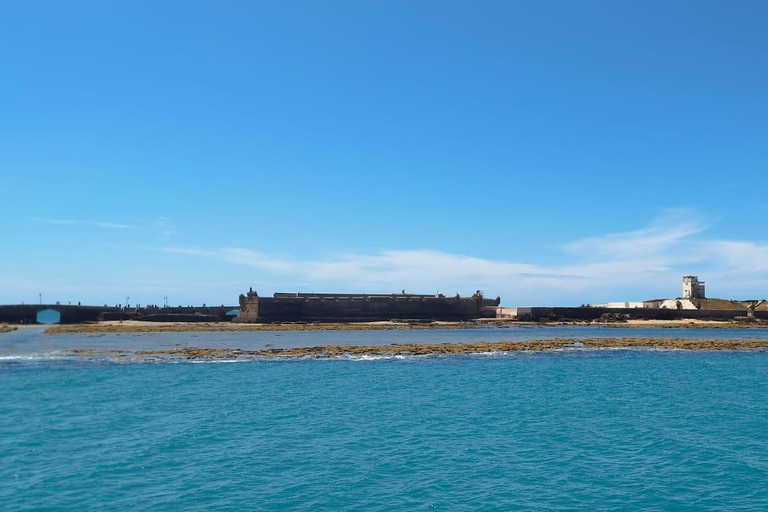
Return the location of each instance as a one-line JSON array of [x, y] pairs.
[[693, 288]]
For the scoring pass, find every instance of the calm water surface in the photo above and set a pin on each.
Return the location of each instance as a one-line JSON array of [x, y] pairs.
[[580, 429], [31, 342]]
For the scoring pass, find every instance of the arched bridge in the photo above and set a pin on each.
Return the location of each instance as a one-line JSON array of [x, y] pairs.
[[40, 313], [68, 314]]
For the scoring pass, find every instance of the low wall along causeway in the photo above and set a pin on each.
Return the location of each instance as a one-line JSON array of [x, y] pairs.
[[592, 314], [28, 313]]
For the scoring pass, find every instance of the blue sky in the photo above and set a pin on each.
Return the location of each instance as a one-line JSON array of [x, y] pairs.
[[549, 152]]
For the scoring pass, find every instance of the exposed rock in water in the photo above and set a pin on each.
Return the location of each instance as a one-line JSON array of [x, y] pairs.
[[434, 349]]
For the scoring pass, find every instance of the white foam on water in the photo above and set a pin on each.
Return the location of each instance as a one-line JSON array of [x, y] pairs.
[[17, 358], [218, 361], [32, 357], [369, 357], [492, 353]]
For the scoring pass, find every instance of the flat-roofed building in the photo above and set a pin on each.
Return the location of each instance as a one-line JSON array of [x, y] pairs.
[[693, 288]]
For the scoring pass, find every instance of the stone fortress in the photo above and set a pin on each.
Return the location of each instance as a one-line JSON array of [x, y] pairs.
[[350, 307]]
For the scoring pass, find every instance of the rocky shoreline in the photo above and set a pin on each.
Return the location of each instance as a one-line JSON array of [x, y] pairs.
[[7, 328], [436, 349]]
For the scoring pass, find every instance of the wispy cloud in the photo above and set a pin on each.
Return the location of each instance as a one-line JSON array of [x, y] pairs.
[[165, 229], [69, 222], [634, 264], [664, 234], [671, 245], [110, 225], [54, 222], [239, 256], [743, 257]]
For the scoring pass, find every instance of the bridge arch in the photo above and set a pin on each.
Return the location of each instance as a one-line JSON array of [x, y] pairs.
[[48, 316]]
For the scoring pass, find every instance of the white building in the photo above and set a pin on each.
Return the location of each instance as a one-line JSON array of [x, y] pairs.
[[693, 288], [511, 312], [621, 305]]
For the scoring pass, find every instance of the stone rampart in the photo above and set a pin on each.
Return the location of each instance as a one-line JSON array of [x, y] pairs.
[[351, 308]]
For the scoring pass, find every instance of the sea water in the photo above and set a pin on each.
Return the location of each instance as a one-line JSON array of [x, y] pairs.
[[32, 342], [564, 430]]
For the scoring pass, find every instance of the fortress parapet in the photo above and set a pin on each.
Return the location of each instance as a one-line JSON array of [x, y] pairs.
[[352, 307]]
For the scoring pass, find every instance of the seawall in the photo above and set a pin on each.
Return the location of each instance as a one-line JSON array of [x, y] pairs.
[[27, 313], [361, 308], [592, 314]]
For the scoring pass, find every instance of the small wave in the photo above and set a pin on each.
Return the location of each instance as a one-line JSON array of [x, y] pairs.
[[371, 357], [218, 361], [17, 358], [31, 357]]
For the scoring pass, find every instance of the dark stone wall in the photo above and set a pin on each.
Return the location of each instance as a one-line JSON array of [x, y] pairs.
[[539, 314], [184, 318], [27, 313], [345, 309], [185, 310]]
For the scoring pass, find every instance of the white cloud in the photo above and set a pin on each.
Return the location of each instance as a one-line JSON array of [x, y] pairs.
[[631, 265], [165, 229], [69, 222], [665, 233], [110, 225], [746, 257], [238, 256], [647, 260]]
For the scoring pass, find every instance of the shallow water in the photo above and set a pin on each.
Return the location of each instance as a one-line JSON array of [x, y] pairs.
[[32, 343], [602, 430]]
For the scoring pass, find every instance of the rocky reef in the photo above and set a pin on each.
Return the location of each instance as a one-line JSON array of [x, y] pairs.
[[434, 349]]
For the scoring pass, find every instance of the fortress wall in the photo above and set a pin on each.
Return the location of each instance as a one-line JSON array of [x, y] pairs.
[[182, 318], [181, 310], [292, 309]]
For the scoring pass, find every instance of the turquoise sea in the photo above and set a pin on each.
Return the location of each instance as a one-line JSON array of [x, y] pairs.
[[569, 430]]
